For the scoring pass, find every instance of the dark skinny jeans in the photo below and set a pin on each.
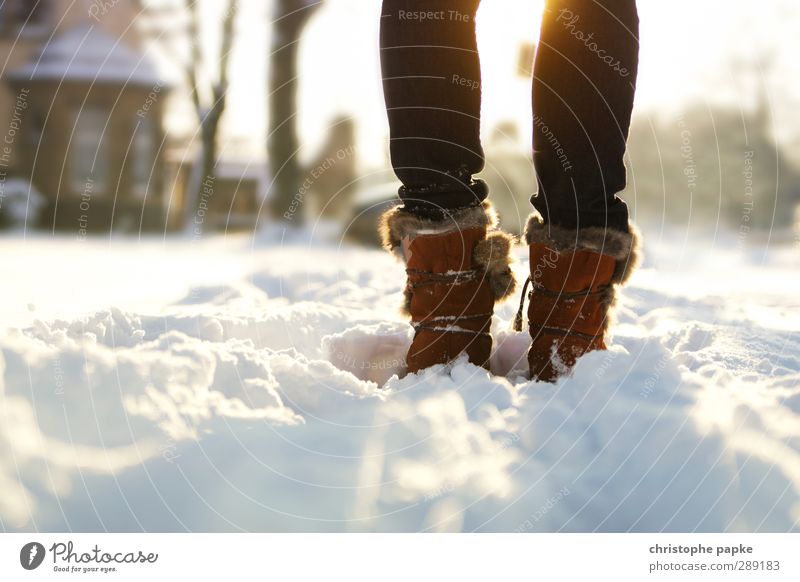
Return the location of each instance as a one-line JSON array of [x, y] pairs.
[[583, 89]]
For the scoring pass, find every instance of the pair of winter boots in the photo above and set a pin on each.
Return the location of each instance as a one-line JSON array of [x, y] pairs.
[[458, 267]]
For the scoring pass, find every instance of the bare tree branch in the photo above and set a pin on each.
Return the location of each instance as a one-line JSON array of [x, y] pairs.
[[203, 85]]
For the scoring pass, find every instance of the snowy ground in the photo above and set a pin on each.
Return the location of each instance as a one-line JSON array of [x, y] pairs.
[[233, 384]]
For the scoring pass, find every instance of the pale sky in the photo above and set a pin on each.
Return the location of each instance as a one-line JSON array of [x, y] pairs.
[[706, 50]]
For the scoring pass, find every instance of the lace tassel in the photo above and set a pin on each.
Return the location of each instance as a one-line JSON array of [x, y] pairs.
[[518, 317]]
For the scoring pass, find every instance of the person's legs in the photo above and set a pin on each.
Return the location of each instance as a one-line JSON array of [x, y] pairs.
[[431, 82], [583, 89], [581, 244], [457, 262]]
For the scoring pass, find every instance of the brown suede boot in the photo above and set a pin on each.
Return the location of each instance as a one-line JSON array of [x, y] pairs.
[[574, 276], [456, 269]]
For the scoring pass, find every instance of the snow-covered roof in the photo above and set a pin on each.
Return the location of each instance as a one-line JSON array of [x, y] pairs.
[[87, 53]]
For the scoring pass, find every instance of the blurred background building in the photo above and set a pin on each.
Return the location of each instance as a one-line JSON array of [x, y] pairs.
[[83, 106]]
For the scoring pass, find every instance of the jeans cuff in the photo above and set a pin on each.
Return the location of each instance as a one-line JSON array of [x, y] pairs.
[[438, 201]]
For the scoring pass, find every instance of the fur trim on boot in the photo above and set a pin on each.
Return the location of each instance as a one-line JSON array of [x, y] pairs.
[[494, 255], [624, 247], [396, 223]]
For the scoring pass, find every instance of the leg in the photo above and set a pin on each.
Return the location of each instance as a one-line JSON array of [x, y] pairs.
[[583, 89], [457, 262], [431, 82], [581, 244]]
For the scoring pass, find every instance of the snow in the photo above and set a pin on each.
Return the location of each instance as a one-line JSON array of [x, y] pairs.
[[251, 384], [86, 53], [19, 199]]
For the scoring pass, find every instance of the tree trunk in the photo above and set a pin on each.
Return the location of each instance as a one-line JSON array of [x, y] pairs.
[[203, 183], [282, 141], [204, 175]]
